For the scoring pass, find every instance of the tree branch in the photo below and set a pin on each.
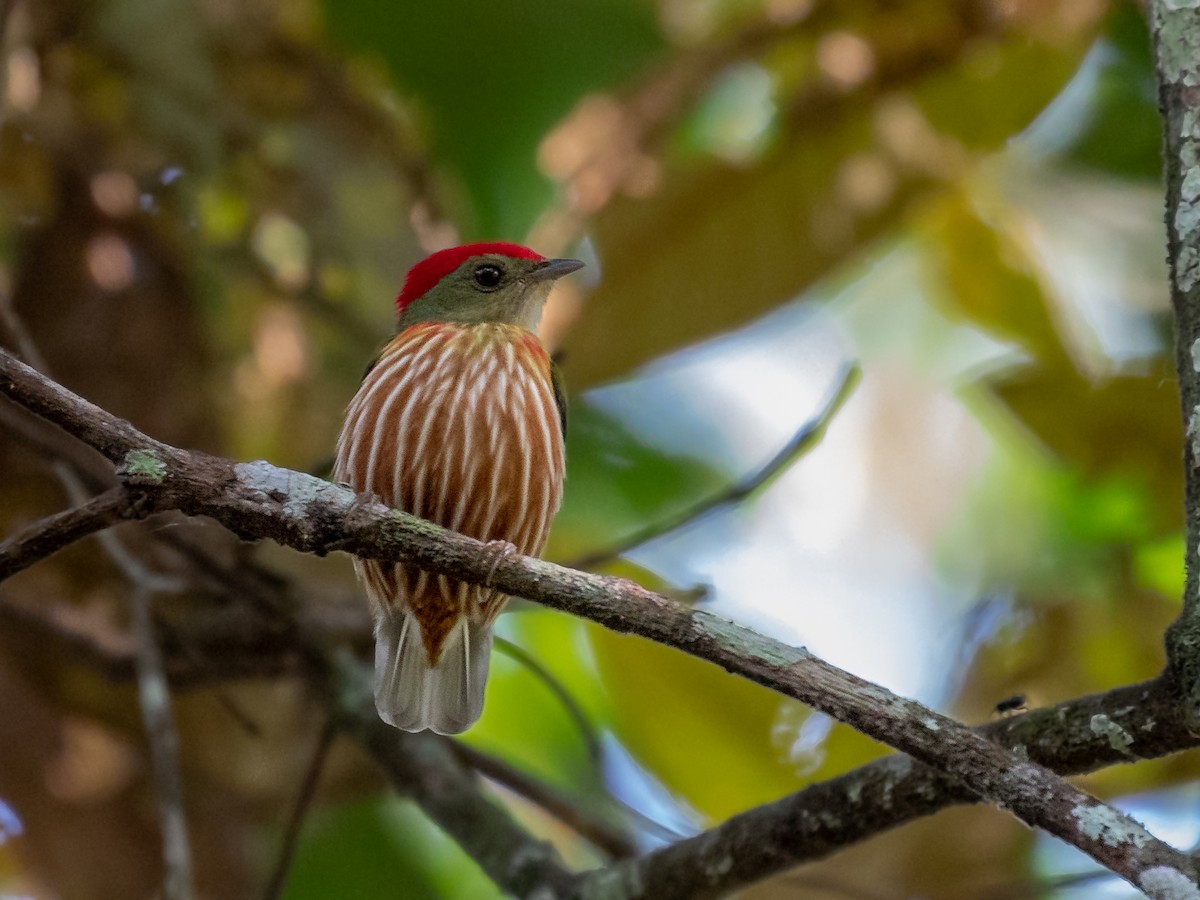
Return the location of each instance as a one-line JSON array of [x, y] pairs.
[[1176, 32], [1138, 721], [155, 702], [596, 831], [47, 537], [291, 835], [256, 500]]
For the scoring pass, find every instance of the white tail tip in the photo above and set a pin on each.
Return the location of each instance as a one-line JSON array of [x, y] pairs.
[[412, 695]]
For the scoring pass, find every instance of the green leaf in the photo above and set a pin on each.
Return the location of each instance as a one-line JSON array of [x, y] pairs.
[[717, 245], [1121, 132], [983, 276], [493, 79], [1158, 565], [1128, 424], [380, 848], [719, 741]]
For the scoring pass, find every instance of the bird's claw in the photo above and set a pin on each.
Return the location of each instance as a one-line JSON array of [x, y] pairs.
[[357, 511], [498, 551]]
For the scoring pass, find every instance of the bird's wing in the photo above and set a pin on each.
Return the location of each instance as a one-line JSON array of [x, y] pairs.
[[560, 395]]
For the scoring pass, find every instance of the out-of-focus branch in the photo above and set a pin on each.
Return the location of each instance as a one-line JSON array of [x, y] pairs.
[[308, 791], [155, 701], [596, 831], [807, 437], [257, 500], [424, 767], [47, 537]]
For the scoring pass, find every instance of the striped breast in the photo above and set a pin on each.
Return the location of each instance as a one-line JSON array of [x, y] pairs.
[[457, 424]]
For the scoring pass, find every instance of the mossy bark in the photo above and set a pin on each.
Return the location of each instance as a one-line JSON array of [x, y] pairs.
[[1176, 31]]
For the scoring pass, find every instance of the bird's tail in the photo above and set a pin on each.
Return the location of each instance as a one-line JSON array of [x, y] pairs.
[[413, 695]]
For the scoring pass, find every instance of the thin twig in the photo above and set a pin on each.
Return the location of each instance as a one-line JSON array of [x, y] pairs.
[[46, 537], [595, 830], [591, 740], [809, 435], [154, 697], [23, 342], [48, 443], [308, 791]]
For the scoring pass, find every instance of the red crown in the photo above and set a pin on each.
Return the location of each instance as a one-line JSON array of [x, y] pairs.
[[433, 268]]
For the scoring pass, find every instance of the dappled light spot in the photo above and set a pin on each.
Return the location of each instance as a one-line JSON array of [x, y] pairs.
[[433, 233], [24, 80], [110, 262], [801, 735], [735, 120], [595, 153], [280, 347], [283, 247], [114, 193], [865, 182], [909, 137], [688, 22], [845, 58], [787, 12], [93, 764]]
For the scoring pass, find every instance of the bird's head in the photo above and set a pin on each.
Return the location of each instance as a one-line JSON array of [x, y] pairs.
[[493, 282]]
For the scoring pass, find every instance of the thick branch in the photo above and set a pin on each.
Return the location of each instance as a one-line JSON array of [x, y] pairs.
[[1176, 29], [1135, 722], [256, 500]]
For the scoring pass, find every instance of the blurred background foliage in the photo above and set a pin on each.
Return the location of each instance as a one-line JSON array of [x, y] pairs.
[[207, 205]]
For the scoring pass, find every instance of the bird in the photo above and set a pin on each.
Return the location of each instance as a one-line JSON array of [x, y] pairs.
[[459, 420]]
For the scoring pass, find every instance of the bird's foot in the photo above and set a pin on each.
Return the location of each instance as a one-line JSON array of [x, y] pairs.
[[497, 551], [363, 500], [357, 513]]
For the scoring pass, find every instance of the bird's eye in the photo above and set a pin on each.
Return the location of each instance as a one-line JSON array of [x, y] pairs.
[[488, 276]]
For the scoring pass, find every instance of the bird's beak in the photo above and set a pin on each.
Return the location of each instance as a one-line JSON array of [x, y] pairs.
[[549, 269]]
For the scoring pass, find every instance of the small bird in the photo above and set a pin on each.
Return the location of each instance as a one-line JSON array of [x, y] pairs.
[[459, 420]]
